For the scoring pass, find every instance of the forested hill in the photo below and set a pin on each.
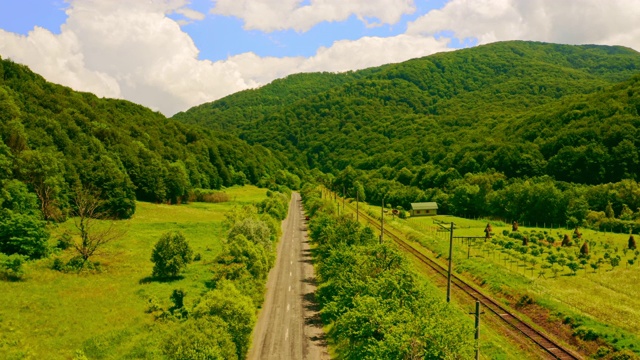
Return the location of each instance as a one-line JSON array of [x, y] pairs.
[[501, 113], [431, 109], [53, 139]]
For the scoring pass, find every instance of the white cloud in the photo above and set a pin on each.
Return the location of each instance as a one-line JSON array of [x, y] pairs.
[[58, 58], [191, 14], [137, 53], [272, 15], [372, 51], [611, 22]]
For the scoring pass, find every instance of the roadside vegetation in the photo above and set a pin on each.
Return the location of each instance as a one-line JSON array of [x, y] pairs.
[[372, 301], [119, 307]]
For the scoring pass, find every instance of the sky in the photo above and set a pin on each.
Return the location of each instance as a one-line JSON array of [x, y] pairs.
[[171, 55]]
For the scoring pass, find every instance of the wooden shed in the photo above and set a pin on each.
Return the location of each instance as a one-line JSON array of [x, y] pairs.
[[424, 209]]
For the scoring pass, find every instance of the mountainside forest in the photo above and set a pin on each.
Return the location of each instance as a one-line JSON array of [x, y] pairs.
[[517, 130], [54, 141]]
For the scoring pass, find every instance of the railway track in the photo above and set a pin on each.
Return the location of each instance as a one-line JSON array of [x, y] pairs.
[[549, 345]]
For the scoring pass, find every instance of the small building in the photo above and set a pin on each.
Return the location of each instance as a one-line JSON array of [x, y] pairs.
[[424, 209]]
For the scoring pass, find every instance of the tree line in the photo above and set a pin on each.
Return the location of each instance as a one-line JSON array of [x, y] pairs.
[[517, 130], [371, 300]]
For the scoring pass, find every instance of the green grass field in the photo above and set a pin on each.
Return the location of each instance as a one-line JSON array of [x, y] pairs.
[[606, 301], [52, 314]]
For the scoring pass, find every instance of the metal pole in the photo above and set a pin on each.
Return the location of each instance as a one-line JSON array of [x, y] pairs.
[[382, 221], [477, 330], [450, 259]]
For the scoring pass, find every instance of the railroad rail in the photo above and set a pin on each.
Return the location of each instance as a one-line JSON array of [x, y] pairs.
[[549, 345]]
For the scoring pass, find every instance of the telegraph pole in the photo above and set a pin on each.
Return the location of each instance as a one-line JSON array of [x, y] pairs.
[[477, 337], [450, 259]]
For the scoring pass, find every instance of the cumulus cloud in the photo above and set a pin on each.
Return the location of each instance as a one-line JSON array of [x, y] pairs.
[[58, 58], [272, 15], [612, 22], [137, 53]]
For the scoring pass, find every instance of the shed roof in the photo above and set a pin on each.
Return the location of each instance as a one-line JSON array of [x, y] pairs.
[[424, 206]]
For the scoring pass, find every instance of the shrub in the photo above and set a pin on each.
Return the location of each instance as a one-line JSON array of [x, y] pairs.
[[57, 264], [64, 241], [632, 242], [11, 266], [170, 255], [566, 241], [204, 338], [235, 309], [209, 196], [23, 235], [505, 232]]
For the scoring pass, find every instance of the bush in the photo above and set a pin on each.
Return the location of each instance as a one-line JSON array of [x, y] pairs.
[[23, 235], [209, 196], [64, 241], [57, 265], [235, 309], [11, 266], [204, 338], [170, 255]]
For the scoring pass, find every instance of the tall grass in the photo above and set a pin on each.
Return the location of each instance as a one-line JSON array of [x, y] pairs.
[[51, 315]]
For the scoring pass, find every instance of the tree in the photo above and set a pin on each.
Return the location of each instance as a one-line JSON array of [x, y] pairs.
[[573, 266], [614, 261], [203, 338], [253, 230], [43, 171], [170, 255], [577, 211], [609, 211], [24, 235], [93, 234], [235, 309]]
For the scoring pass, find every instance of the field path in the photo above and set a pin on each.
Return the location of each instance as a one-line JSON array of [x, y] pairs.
[[288, 325]]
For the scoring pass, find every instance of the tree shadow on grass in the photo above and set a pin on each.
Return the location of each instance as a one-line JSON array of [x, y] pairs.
[[166, 279]]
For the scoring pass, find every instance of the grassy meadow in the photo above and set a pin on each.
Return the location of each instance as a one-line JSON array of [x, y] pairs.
[[602, 303], [608, 294], [51, 314]]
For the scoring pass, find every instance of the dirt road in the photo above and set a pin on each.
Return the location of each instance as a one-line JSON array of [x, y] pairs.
[[288, 325]]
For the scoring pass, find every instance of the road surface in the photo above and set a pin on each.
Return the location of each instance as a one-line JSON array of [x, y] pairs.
[[288, 325]]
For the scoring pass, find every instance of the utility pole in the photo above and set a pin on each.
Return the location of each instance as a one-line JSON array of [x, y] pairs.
[[450, 259], [382, 221], [477, 337]]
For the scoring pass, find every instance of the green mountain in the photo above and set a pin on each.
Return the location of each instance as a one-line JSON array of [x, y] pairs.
[[53, 138], [501, 113]]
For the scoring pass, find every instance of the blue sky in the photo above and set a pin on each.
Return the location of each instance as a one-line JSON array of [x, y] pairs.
[[218, 37], [174, 54]]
